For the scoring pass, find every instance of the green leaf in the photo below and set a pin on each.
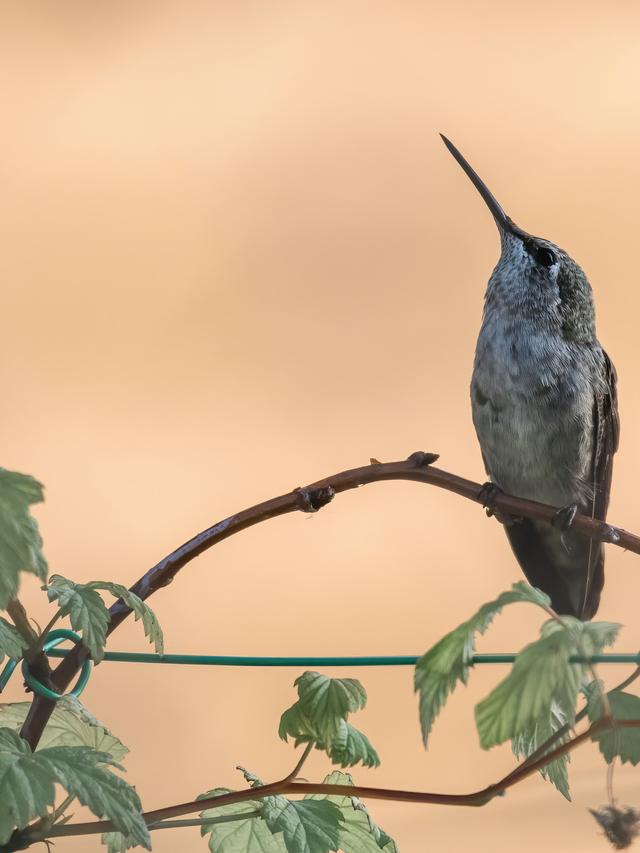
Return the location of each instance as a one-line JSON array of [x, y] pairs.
[[358, 832], [116, 842], [20, 541], [11, 643], [438, 671], [70, 724], [26, 784], [594, 636], [243, 836], [322, 705], [83, 772], [528, 742], [319, 716], [350, 746], [140, 609], [624, 743], [541, 676], [296, 724], [306, 826], [86, 610]]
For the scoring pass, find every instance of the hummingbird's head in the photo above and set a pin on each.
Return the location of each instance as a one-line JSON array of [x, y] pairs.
[[534, 277]]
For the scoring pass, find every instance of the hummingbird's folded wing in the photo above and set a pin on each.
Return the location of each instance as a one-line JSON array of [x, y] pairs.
[[607, 439]]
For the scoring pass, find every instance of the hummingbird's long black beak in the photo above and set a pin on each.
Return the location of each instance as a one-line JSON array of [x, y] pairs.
[[502, 220]]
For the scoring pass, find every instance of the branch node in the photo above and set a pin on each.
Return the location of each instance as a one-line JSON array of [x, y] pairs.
[[422, 460], [610, 534], [311, 500]]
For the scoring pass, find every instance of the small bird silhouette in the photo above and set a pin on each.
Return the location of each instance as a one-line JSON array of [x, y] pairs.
[[544, 404]]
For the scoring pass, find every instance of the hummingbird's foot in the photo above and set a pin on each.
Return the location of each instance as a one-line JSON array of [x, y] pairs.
[[565, 517], [487, 495]]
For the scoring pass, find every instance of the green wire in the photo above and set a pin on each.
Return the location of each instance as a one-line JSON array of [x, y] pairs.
[[368, 660], [61, 634]]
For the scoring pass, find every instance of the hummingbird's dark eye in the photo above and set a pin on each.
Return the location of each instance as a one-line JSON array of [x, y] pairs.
[[545, 257]]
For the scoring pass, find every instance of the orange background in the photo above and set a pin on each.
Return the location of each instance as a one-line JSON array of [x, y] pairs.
[[236, 258]]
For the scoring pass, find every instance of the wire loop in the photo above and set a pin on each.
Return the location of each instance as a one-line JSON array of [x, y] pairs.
[[53, 639]]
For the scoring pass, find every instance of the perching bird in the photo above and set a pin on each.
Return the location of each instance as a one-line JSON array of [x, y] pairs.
[[543, 397]]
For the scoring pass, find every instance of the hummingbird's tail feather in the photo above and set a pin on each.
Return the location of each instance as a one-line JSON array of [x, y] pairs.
[[568, 567]]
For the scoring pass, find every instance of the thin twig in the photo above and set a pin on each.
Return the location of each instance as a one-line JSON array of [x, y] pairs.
[[285, 786], [417, 468], [296, 770], [198, 821], [43, 634]]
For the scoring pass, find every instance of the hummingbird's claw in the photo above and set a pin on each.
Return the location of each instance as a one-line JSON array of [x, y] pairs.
[[487, 495], [565, 517]]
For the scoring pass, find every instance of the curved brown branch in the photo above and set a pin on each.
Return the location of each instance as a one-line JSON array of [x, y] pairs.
[[287, 786], [417, 467]]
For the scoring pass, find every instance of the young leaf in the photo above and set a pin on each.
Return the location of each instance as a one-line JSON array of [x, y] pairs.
[[358, 832], [70, 724], [140, 609], [296, 724], [528, 742], [82, 771], [541, 676], [326, 701], [11, 642], [26, 784], [624, 743], [85, 609], [306, 826], [438, 671], [319, 716], [243, 836], [350, 746], [20, 541]]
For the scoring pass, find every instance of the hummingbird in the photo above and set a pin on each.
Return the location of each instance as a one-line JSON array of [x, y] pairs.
[[544, 407]]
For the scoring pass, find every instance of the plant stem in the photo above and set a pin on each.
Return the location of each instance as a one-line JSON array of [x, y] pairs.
[[296, 770], [43, 634], [198, 821], [20, 619], [286, 786], [61, 809]]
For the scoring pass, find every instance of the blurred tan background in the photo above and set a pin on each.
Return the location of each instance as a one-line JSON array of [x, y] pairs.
[[236, 257]]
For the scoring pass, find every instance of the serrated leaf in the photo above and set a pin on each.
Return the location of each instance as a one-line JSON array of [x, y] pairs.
[[350, 746], [624, 743], [243, 836], [83, 772], [541, 676], [140, 609], [358, 832], [11, 642], [445, 665], [20, 540], [296, 724], [528, 742], [86, 610], [116, 842], [26, 784], [70, 724], [306, 826], [325, 701]]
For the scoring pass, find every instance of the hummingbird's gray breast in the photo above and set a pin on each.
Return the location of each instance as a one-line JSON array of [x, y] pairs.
[[533, 400]]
